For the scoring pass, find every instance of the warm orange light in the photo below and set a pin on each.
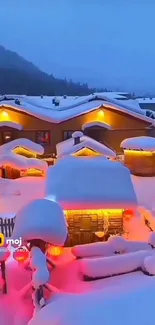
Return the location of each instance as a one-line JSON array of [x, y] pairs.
[[105, 212], [34, 172], [4, 116], [128, 214], [138, 152], [86, 152], [24, 152], [21, 255], [100, 115], [99, 234], [54, 251]]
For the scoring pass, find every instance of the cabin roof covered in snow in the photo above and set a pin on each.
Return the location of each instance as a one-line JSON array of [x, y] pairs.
[[22, 162], [146, 100], [139, 143], [68, 147], [90, 183], [24, 143], [43, 108]]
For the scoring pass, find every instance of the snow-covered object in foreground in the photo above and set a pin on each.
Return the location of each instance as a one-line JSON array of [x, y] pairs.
[[118, 243], [151, 239], [104, 306], [117, 264], [38, 262], [40, 276], [149, 264], [24, 143], [41, 219], [109, 248], [139, 143], [90, 183], [93, 249], [37, 258]]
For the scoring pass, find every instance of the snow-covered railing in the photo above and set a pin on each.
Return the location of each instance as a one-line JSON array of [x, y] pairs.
[[115, 245], [99, 268]]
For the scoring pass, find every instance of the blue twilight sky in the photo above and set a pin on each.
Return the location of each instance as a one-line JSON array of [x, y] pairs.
[[108, 43]]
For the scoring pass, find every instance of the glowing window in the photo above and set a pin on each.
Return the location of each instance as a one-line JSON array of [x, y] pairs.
[[7, 136]]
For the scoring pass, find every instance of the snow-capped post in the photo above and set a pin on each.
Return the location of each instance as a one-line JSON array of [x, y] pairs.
[[77, 135], [65, 96], [42, 96], [17, 101], [57, 102], [40, 223], [53, 100]]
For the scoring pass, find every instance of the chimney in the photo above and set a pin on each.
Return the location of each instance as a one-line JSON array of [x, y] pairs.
[[77, 137]]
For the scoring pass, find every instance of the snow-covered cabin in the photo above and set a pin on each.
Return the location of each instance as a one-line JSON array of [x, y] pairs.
[[139, 155], [107, 117], [18, 158], [80, 145], [94, 193]]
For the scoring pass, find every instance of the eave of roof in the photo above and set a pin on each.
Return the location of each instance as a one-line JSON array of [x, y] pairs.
[[78, 107]]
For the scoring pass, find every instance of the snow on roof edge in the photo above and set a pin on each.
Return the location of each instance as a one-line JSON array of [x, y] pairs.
[[13, 125], [24, 143], [139, 143], [60, 114]]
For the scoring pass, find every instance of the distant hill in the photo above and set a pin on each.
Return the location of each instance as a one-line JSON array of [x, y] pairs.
[[19, 76]]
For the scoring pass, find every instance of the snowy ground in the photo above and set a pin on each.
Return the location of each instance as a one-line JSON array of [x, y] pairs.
[[16, 193], [125, 299]]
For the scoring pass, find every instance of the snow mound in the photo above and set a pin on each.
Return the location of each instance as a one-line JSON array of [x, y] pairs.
[[112, 265], [118, 243], [139, 143], [38, 258], [70, 183], [100, 307], [41, 219], [93, 249], [149, 264]]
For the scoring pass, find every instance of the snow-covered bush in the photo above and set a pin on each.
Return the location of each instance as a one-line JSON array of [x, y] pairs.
[[149, 264]]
